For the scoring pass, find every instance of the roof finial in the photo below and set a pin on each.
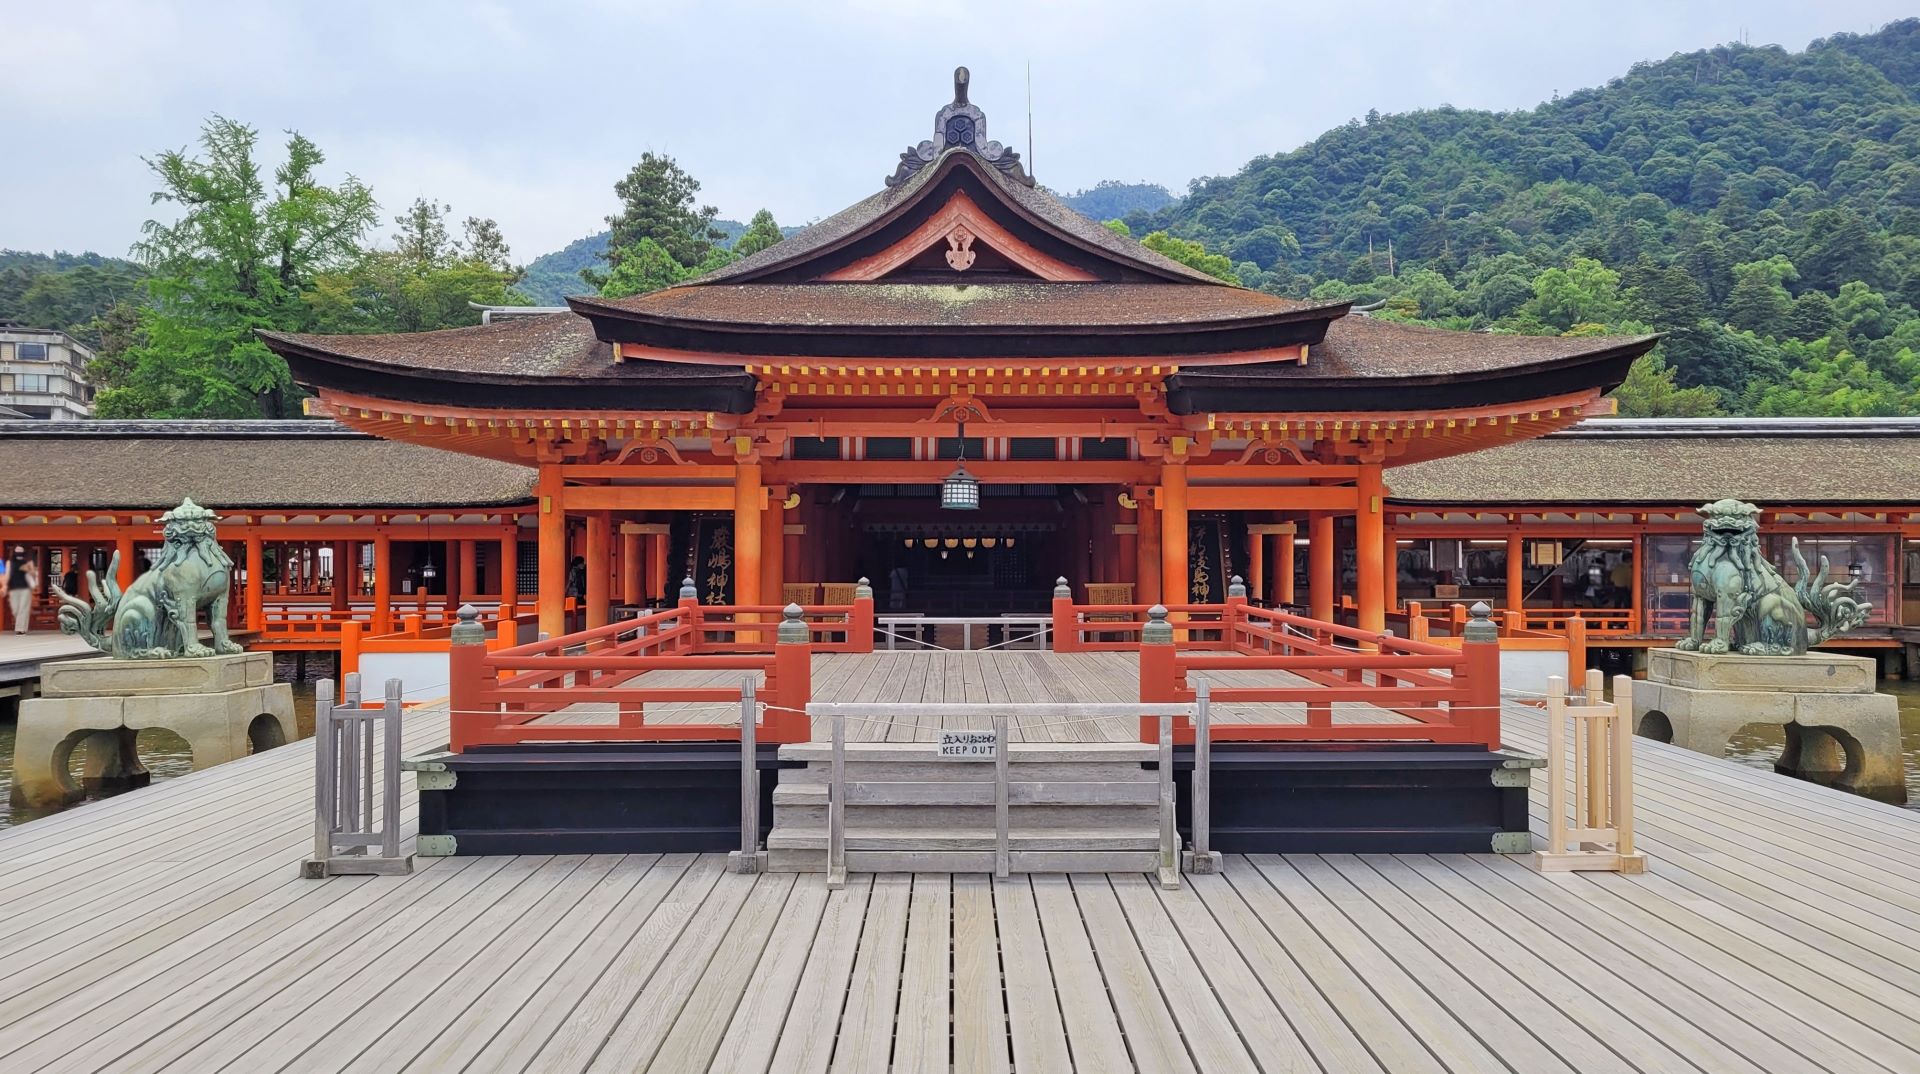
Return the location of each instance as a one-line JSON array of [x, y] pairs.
[[961, 125]]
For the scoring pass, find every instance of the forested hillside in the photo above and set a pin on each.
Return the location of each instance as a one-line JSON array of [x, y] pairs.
[[552, 277], [1760, 206], [65, 291]]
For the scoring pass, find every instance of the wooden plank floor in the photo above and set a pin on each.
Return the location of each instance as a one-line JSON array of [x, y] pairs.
[[1779, 930], [1001, 676]]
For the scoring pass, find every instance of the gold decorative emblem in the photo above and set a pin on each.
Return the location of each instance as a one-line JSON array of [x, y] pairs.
[[960, 249]]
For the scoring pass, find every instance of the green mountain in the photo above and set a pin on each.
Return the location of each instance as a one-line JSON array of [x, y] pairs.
[[1111, 199], [1759, 205], [64, 291]]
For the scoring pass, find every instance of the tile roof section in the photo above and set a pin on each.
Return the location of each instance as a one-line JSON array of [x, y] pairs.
[[986, 306], [1360, 349], [293, 465]]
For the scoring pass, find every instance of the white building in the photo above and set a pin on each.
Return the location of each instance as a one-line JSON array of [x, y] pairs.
[[43, 374]]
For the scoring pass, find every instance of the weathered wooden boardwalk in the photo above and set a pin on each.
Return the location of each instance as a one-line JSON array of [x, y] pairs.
[[1779, 930]]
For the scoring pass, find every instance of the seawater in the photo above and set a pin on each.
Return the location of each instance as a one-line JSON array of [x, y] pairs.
[[164, 753], [1760, 745]]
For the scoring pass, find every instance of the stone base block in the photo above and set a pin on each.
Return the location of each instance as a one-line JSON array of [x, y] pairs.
[[1848, 737], [218, 725], [108, 677]]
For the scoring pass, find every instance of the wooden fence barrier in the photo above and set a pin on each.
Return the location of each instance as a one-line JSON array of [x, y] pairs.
[[353, 745], [1597, 832]]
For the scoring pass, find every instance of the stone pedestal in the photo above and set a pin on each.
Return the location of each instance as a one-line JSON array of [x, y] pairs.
[[1838, 730], [223, 706]]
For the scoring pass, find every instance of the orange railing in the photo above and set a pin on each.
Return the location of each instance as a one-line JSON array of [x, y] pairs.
[[1518, 631], [497, 696], [1435, 692]]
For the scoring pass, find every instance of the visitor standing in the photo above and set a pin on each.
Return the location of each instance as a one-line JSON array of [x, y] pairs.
[[23, 578]]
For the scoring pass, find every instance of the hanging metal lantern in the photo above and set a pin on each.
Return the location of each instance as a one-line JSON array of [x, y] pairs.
[[961, 490]]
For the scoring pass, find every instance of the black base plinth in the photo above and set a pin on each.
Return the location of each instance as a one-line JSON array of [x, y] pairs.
[[1285, 798], [596, 798]]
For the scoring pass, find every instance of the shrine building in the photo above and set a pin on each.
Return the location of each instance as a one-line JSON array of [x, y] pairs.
[[961, 389]]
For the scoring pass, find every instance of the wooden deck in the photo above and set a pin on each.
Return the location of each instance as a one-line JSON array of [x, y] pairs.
[[1779, 930], [1009, 675]]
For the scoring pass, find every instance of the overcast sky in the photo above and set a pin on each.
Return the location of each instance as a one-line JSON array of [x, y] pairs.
[[529, 112]]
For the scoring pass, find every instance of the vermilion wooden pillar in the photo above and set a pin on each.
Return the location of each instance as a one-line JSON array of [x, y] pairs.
[[382, 584], [660, 581], [467, 576], [748, 510], [553, 553], [345, 563], [1147, 550], [1320, 599], [1283, 568], [1390, 551], [257, 582], [124, 546], [773, 547], [509, 569], [1369, 532], [1176, 586], [1256, 563], [1516, 577], [599, 567], [630, 564]]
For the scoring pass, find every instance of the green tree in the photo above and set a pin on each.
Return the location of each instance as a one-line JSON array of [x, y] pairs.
[[658, 201], [238, 258], [428, 279], [1584, 292], [1759, 301], [762, 231], [1650, 392], [647, 267], [1191, 254]]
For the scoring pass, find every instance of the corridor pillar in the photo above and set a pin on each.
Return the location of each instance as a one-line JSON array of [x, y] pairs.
[[1256, 564], [599, 566], [1283, 567], [1320, 567], [630, 568], [382, 585], [1516, 573], [1146, 549], [1369, 535], [748, 510], [257, 582], [467, 576], [123, 546], [509, 569], [553, 554], [1176, 587]]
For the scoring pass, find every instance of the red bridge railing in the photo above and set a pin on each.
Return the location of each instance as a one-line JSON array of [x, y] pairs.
[[499, 697], [1432, 693]]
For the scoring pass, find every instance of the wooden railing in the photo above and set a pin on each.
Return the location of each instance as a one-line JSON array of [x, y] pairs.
[[1517, 631], [496, 696], [1446, 620], [1436, 693]]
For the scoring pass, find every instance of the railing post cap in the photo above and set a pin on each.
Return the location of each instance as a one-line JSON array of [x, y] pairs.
[[1237, 587], [1157, 631], [1061, 590], [468, 630], [1480, 625], [863, 590], [689, 591], [793, 628]]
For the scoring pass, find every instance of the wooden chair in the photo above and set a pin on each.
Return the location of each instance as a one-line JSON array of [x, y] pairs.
[[1109, 593], [802, 593], [838, 592]]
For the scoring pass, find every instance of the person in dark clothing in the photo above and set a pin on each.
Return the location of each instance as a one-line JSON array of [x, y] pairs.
[[577, 577]]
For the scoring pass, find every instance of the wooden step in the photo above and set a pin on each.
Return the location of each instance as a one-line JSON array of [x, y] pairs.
[[941, 818], [974, 793], [872, 838], [1017, 753], [968, 861], [934, 771]]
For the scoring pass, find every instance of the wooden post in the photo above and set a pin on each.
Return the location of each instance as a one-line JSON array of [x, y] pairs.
[[350, 631], [1320, 567], [748, 510], [1001, 835], [630, 568], [1200, 790], [747, 859], [466, 678], [1369, 532], [257, 582], [1146, 550], [599, 567], [345, 563], [1390, 558], [467, 574], [792, 679], [510, 569], [1256, 564], [773, 546], [382, 584], [658, 581], [1176, 586], [1480, 648], [1066, 633], [1159, 666], [1169, 836], [553, 553], [1516, 577], [123, 546], [837, 808], [1637, 618], [1283, 570], [860, 621]]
